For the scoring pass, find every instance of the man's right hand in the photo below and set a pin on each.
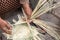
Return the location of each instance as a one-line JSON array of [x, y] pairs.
[[4, 26]]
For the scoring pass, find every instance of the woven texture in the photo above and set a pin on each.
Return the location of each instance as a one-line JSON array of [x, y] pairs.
[[8, 5]]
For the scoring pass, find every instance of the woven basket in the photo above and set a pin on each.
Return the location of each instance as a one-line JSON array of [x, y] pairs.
[[8, 5]]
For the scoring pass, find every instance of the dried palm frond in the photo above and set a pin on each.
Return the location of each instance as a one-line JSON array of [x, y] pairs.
[[23, 30]]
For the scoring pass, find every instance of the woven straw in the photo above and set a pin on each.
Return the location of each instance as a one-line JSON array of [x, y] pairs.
[[8, 5]]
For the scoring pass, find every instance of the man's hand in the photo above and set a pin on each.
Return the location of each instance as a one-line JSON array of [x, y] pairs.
[[5, 26], [27, 9]]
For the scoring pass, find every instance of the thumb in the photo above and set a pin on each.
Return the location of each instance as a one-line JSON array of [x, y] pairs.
[[8, 25]]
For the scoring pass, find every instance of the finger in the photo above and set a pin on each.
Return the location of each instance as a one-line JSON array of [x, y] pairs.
[[6, 30], [8, 25]]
